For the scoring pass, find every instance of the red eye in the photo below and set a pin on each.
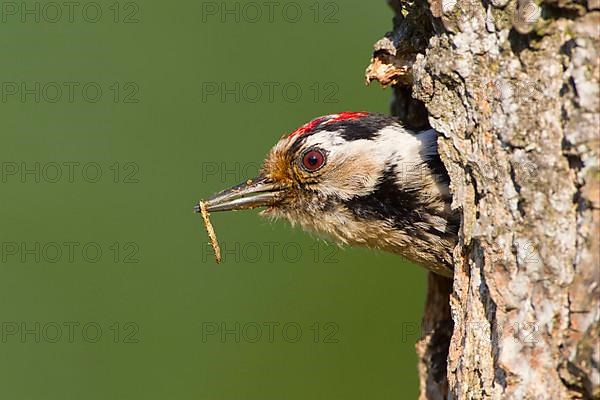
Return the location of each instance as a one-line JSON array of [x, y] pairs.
[[313, 160]]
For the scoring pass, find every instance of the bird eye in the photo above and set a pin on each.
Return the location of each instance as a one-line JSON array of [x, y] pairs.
[[313, 160]]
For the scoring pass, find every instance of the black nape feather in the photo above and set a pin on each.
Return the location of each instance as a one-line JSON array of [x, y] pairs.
[[365, 128]]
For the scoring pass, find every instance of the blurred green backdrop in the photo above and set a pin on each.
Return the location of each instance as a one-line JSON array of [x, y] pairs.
[[116, 118]]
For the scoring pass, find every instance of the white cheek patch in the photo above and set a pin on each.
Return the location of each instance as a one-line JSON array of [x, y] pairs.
[[407, 147], [411, 154]]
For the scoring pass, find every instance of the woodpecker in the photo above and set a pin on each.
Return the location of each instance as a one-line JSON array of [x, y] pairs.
[[361, 179]]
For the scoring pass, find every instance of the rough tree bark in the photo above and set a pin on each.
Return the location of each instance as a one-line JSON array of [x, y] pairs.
[[512, 86]]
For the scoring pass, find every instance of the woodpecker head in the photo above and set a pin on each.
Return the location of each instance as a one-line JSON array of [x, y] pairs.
[[361, 179]]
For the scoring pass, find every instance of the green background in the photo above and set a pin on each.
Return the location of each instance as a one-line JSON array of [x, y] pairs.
[[161, 142]]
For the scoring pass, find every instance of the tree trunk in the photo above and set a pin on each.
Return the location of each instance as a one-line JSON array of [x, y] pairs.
[[512, 87]]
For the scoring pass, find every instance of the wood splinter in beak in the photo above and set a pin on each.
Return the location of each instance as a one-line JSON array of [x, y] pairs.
[[211, 232]]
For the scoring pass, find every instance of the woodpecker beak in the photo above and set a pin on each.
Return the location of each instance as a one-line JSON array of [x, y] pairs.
[[257, 192]]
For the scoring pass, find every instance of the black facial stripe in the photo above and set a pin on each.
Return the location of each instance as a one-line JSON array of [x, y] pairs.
[[389, 202], [352, 129], [438, 169], [386, 202], [299, 142], [355, 129]]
